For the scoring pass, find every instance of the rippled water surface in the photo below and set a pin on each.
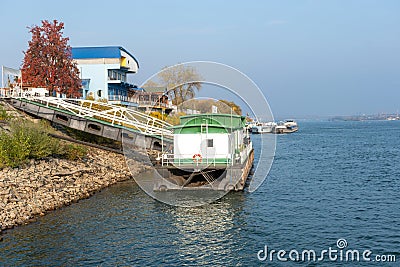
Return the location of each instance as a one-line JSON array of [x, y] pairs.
[[330, 180]]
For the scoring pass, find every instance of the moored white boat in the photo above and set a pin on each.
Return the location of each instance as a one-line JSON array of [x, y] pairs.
[[288, 126], [263, 127]]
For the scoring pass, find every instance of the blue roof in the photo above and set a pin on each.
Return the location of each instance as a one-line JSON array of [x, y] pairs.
[[99, 52]]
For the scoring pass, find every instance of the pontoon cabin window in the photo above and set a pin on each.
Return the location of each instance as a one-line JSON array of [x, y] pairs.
[[210, 142]]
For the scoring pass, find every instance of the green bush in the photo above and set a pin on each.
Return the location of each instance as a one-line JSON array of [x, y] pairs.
[[73, 152], [27, 140], [3, 114]]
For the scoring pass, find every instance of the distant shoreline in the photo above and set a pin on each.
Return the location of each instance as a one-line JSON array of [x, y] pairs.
[[374, 117]]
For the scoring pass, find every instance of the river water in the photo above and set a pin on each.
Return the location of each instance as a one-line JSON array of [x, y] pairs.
[[329, 181]]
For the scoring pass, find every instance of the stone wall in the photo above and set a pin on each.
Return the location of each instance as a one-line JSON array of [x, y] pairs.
[[48, 184]]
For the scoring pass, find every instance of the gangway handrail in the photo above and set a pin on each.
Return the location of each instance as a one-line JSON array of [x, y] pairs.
[[113, 114]]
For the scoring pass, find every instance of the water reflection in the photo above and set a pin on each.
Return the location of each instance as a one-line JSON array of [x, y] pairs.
[[206, 233]]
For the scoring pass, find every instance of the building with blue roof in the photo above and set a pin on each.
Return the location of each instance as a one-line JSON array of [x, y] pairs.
[[104, 72]]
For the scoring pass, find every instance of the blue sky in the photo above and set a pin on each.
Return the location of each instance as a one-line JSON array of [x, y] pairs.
[[309, 57]]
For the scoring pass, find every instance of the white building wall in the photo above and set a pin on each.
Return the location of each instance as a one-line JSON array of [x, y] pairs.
[[187, 145], [98, 75]]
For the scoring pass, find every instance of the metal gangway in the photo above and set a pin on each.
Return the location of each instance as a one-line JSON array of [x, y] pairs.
[[109, 114]]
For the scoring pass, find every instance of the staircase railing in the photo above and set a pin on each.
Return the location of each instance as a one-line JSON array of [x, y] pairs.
[[112, 114]]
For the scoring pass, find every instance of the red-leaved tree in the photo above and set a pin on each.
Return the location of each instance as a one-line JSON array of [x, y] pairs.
[[48, 61]]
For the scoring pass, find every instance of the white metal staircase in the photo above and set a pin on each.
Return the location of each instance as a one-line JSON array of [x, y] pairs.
[[105, 113]]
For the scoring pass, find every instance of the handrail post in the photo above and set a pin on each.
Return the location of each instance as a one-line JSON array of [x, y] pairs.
[[115, 114], [81, 107]]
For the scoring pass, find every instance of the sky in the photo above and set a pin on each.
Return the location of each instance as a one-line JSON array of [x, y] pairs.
[[309, 57]]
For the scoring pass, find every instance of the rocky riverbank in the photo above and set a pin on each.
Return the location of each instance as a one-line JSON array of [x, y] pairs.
[[48, 184]]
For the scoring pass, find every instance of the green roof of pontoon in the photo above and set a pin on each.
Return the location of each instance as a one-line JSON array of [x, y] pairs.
[[213, 122]]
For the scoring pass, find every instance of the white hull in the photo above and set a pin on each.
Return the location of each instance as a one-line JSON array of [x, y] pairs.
[[261, 128], [288, 126]]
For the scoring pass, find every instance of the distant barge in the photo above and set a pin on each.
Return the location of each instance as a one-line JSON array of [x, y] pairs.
[[211, 151]]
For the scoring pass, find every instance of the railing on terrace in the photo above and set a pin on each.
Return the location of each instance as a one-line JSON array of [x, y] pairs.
[[112, 114], [5, 92], [154, 104], [121, 98]]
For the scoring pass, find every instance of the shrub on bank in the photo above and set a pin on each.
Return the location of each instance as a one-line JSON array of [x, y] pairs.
[[3, 114], [27, 140], [73, 152]]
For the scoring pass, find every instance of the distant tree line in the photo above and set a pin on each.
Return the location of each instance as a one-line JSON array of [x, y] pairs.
[[206, 106]]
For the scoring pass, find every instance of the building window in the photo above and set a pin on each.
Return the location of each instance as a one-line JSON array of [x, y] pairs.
[[111, 75], [85, 84], [210, 142]]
